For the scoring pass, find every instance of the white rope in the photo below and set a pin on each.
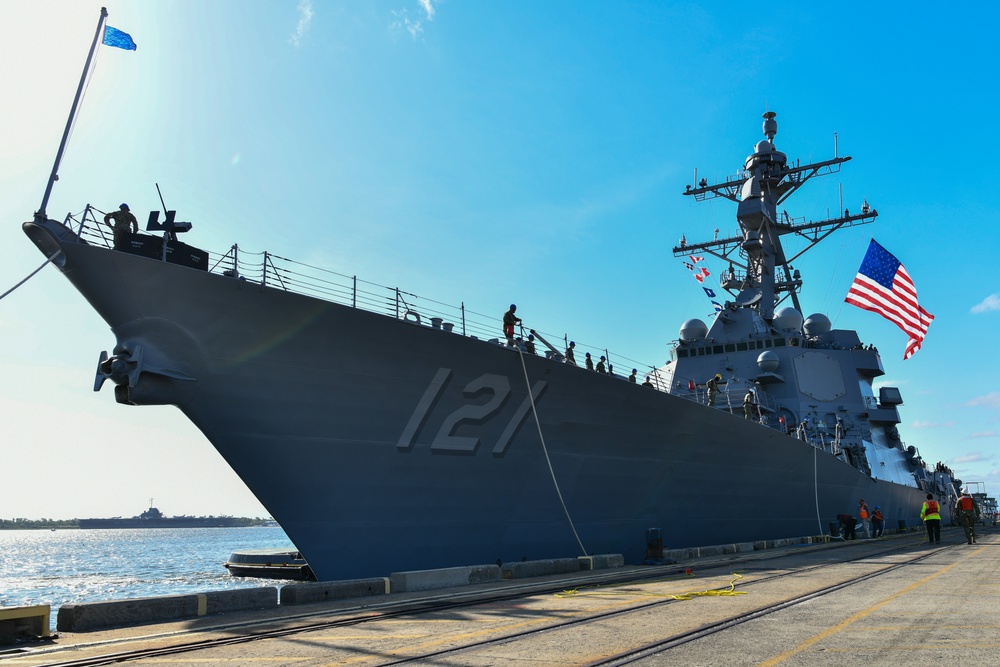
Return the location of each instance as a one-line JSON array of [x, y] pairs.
[[545, 450], [29, 276], [819, 521]]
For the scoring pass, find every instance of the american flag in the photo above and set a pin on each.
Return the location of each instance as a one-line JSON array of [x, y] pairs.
[[883, 286]]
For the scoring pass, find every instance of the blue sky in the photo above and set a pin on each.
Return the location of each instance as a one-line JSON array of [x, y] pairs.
[[488, 152]]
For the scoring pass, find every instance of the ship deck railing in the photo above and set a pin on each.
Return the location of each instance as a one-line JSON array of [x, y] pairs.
[[271, 270], [730, 399]]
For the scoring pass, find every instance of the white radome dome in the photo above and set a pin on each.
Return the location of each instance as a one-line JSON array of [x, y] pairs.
[[768, 361], [817, 324], [693, 330], [788, 319]]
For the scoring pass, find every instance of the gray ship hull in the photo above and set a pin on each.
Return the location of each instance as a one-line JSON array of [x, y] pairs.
[[380, 445]]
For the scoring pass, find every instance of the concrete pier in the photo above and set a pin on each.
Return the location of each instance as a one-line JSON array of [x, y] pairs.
[[891, 601]]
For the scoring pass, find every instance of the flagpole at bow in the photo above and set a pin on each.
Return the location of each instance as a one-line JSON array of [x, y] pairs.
[[72, 113]]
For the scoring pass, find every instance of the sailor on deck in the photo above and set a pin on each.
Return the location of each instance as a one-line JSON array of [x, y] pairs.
[[748, 403], [600, 366], [570, 358], [123, 222], [509, 320], [713, 389], [631, 378]]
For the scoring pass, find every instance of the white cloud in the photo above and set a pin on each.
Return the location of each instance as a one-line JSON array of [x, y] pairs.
[[305, 18], [401, 19], [991, 400], [926, 424], [992, 302], [969, 458], [983, 434]]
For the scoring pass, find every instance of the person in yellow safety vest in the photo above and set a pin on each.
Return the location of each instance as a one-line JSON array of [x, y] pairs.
[[863, 515], [968, 514], [930, 514]]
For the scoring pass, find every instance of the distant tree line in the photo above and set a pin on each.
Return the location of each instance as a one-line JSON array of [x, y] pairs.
[[29, 524], [36, 524]]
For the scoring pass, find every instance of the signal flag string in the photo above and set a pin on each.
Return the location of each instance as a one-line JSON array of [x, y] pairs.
[[700, 274]]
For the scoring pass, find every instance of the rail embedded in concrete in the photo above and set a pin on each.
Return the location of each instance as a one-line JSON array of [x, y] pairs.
[[141, 611]]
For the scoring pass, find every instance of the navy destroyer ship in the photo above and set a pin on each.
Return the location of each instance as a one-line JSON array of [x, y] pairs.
[[386, 432]]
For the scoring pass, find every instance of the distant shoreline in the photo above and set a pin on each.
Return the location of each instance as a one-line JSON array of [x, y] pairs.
[[73, 524]]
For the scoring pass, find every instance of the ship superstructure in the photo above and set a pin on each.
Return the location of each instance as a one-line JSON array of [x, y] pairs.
[[802, 376]]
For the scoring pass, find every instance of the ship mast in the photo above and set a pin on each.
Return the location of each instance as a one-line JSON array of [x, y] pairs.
[[766, 181], [54, 176]]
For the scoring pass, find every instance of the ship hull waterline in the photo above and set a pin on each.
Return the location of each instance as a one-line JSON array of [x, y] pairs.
[[380, 445]]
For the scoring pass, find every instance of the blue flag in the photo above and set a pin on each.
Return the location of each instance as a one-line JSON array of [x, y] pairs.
[[117, 38], [718, 306], [710, 293]]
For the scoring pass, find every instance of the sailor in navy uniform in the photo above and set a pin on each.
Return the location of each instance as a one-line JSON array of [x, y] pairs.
[[124, 222], [509, 320]]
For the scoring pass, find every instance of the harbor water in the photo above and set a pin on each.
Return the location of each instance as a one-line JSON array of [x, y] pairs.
[[72, 566]]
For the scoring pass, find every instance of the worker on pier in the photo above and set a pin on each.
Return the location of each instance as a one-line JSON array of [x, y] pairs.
[[930, 514], [847, 524], [865, 523], [968, 514], [878, 522]]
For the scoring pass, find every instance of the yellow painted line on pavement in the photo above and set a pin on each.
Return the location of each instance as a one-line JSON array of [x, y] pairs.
[[948, 646], [219, 661], [854, 618]]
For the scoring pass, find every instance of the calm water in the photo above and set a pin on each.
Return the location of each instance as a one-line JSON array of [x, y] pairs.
[[68, 566]]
